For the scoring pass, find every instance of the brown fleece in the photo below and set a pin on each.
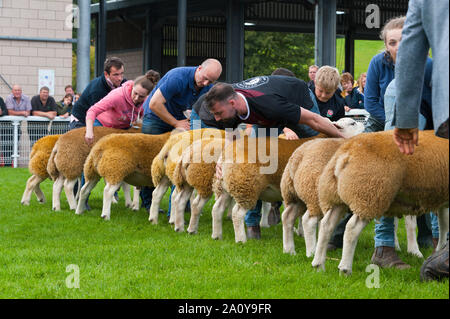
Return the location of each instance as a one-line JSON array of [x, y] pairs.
[[116, 156], [40, 154], [71, 150], [370, 175]]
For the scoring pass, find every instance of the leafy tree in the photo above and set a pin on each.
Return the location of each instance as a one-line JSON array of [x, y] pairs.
[[266, 51]]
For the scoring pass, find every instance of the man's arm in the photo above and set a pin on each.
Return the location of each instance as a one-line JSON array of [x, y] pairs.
[[319, 123], [50, 114], [157, 106], [18, 113]]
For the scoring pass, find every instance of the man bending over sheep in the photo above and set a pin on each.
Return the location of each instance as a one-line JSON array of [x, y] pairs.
[[266, 101], [176, 92]]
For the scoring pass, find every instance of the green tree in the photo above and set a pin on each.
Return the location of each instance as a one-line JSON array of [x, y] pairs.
[[266, 51]]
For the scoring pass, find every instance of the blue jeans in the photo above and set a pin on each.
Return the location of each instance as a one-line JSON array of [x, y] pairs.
[[152, 126], [384, 230]]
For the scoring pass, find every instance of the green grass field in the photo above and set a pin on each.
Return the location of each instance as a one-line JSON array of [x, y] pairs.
[[365, 50], [127, 257]]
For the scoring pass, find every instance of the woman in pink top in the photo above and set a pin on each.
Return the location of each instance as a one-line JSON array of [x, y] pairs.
[[121, 107]]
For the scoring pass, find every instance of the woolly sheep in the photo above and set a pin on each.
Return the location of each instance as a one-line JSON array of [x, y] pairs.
[[164, 164], [300, 194], [119, 158], [245, 182], [369, 175], [65, 165], [39, 156]]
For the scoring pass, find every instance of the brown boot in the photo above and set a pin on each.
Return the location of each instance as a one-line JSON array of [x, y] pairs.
[[274, 214], [253, 232], [386, 257], [436, 266]]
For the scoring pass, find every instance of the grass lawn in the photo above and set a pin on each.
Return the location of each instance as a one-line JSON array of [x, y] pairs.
[[365, 50], [127, 257]]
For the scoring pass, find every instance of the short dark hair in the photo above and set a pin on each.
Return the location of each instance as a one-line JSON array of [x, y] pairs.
[[44, 88], [112, 62], [220, 92], [69, 95], [68, 86], [283, 71]]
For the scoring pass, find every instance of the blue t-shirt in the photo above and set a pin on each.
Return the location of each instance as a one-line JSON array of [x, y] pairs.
[[177, 87]]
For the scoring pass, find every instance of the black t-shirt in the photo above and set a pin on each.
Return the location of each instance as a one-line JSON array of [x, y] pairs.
[[3, 107], [273, 101], [333, 108], [36, 104]]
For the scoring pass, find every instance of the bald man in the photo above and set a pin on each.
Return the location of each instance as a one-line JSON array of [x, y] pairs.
[[18, 104], [176, 92]]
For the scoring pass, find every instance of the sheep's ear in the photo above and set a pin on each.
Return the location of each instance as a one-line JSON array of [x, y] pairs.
[[187, 114], [337, 126]]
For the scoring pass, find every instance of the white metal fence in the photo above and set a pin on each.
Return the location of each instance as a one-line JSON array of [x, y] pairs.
[[18, 134]]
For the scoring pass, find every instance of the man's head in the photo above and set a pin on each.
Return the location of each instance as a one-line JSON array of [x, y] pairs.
[[208, 72], [283, 71], [113, 70], [16, 91], [221, 101], [347, 82], [326, 83], [312, 72], [43, 93], [69, 89]]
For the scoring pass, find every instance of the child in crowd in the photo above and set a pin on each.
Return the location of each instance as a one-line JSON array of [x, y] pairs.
[[353, 98]]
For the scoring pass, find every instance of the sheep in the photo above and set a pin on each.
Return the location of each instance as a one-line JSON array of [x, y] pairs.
[[164, 164], [65, 165], [39, 156], [299, 191], [119, 158], [369, 175], [244, 180], [195, 170]]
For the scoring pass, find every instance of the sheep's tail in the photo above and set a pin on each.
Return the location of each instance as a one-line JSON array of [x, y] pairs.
[[51, 165], [158, 170], [89, 168], [341, 163]]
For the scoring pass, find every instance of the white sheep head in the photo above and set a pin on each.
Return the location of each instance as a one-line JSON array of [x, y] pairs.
[[349, 127]]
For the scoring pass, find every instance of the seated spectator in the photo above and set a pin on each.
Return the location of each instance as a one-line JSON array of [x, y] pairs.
[[326, 82], [75, 97], [43, 104], [362, 82], [69, 90], [17, 103], [3, 109], [64, 107], [353, 98], [312, 75]]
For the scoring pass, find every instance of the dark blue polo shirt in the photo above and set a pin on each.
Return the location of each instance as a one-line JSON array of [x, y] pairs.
[[177, 87]]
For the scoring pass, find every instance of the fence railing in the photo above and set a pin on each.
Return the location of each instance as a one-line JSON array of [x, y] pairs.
[[18, 134]]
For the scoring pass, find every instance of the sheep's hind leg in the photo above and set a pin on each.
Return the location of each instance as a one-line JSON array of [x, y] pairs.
[[196, 209], [135, 204], [411, 225], [238, 216], [108, 195], [327, 225], [126, 193], [290, 214], [352, 231], [221, 203], [68, 189], [84, 193], [157, 195], [443, 227], [310, 229], [38, 191], [56, 195], [31, 185], [182, 199], [265, 209]]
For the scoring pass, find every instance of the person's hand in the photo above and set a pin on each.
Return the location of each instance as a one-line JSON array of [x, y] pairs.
[[290, 134], [406, 139], [183, 125], [346, 108], [89, 137], [66, 115], [218, 171]]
